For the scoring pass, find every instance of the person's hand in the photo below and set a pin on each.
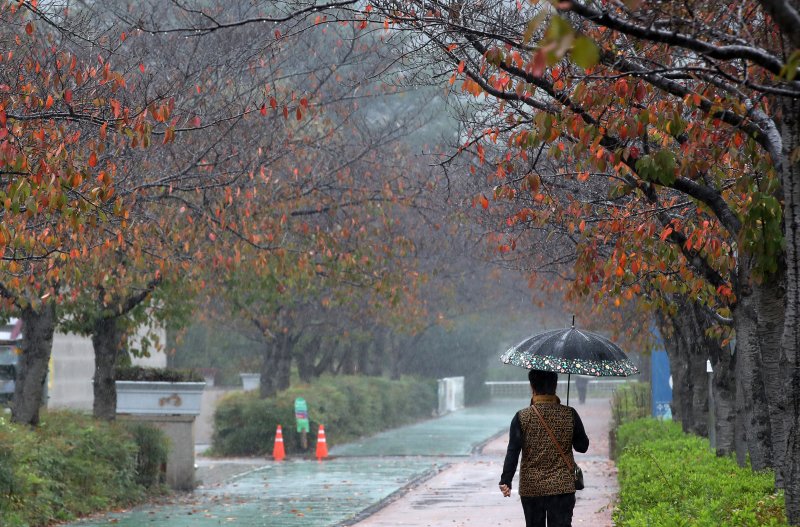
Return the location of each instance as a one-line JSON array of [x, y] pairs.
[[505, 489]]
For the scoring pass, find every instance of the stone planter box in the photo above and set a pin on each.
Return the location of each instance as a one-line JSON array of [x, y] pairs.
[[159, 398], [250, 381]]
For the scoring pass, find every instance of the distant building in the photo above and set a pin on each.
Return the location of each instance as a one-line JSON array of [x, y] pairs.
[[69, 383]]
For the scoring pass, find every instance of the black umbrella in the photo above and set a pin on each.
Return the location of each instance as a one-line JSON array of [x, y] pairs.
[[571, 351]]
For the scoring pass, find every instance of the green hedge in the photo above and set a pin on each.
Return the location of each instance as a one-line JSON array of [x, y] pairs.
[[68, 467], [671, 479], [349, 406]]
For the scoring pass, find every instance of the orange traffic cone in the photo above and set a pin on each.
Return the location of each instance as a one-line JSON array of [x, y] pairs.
[[277, 452], [322, 444]]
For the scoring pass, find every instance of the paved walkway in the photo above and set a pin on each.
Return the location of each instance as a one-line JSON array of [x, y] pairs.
[[420, 475], [466, 493]]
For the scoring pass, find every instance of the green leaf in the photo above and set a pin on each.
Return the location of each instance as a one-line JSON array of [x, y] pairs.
[[585, 53], [792, 65]]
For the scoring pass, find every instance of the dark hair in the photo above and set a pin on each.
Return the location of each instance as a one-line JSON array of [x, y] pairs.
[[543, 382]]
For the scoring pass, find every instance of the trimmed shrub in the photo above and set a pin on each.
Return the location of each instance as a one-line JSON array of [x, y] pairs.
[[349, 406], [69, 466], [668, 478], [152, 449], [142, 373]]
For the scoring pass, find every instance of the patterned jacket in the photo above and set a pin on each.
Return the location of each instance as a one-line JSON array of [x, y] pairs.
[[542, 470]]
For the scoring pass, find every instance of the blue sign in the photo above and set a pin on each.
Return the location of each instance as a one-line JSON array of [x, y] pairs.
[[661, 385]]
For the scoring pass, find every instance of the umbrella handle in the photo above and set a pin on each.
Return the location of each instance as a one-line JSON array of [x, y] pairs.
[[569, 375]]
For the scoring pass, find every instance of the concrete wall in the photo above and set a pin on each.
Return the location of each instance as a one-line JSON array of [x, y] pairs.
[[204, 424], [179, 430]]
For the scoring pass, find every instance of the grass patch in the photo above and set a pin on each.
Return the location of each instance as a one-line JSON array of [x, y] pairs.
[[671, 479]]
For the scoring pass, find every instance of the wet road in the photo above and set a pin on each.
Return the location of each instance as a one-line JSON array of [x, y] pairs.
[[360, 477]]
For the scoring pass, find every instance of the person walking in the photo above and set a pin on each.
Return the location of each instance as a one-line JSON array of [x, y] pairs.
[[582, 382], [546, 482]]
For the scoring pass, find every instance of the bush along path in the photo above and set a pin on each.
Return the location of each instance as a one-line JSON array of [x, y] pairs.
[[72, 465], [669, 478]]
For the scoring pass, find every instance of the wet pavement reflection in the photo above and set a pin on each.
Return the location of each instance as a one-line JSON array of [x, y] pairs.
[[333, 492]]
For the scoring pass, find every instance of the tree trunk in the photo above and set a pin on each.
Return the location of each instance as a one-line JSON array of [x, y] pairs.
[[394, 356], [770, 294], [37, 346], [307, 358], [268, 386], [348, 365], [276, 365], [752, 401], [698, 371], [688, 355], [724, 390], [107, 338], [790, 179], [377, 356]]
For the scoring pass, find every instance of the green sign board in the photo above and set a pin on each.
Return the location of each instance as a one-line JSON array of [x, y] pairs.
[[301, 415]]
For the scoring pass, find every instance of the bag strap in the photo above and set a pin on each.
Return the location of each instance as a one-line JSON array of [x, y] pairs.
[[553, 437]]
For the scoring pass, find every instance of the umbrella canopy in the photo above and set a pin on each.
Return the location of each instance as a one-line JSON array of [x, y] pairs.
[[572, 351]]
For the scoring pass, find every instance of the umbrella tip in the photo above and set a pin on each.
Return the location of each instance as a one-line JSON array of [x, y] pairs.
[[573, 321]]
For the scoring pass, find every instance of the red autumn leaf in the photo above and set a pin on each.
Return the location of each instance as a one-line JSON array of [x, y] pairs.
[[68, 96], [304, 103], [285, 112], [29, 28], [264, 109], [298, 114], [141, 68], [49, 102], [277, 33], [273, 103], [93, 160], [461, 67], [484, 202], [115, 107], [539, 63]]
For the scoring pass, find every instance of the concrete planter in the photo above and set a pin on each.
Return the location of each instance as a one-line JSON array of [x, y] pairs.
[[250, 381], [159, 398]]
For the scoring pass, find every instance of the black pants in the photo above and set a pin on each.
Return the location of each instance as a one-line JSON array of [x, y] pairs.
[[557, 509]]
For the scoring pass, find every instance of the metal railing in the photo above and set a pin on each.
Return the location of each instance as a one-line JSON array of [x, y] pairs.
[[600, 388]]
